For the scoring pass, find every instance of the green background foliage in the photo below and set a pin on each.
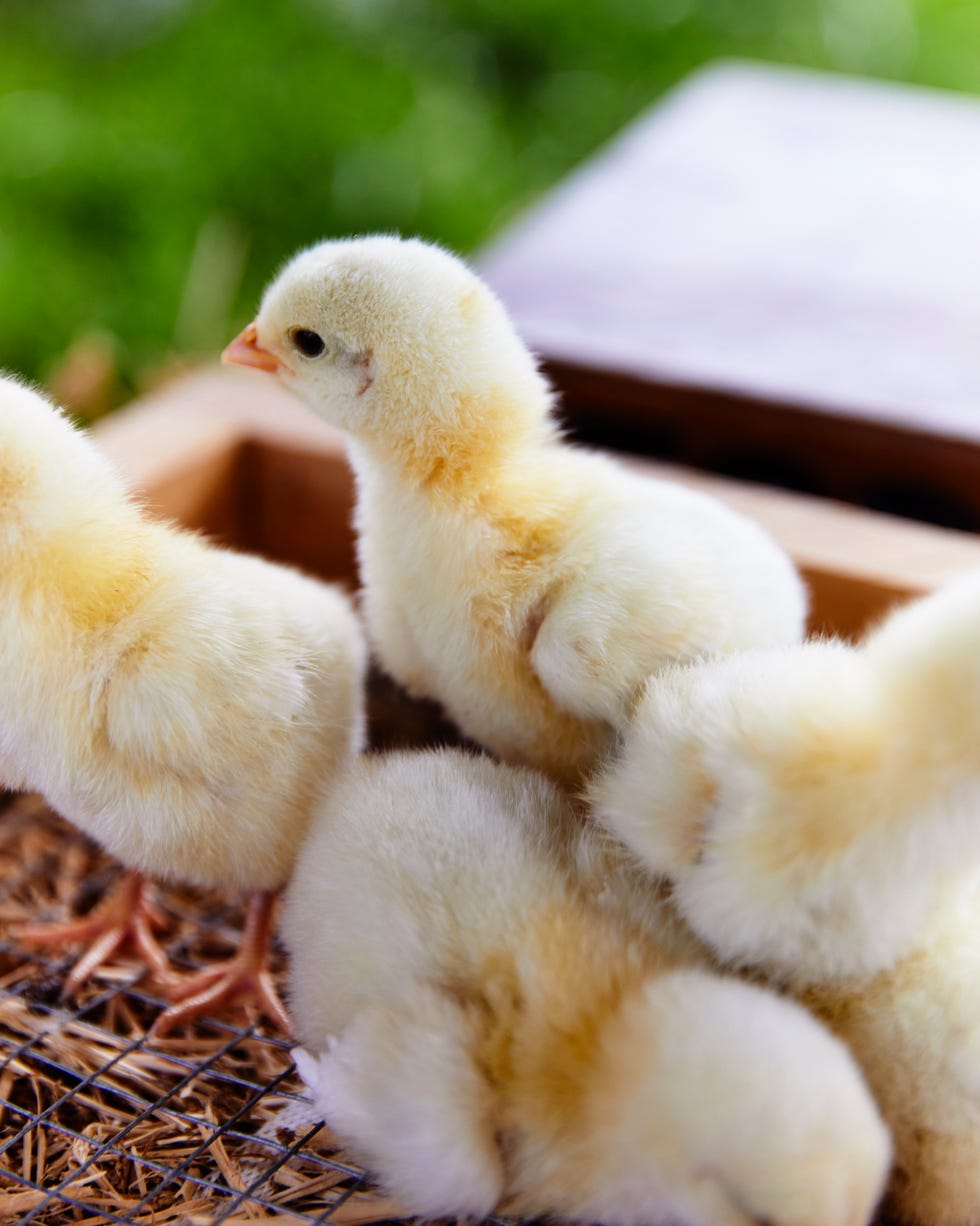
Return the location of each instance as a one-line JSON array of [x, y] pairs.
[[159, 158]]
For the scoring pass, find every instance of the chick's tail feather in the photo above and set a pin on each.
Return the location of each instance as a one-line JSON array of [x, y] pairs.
[[710, 1102], [685, 1107], [402, 1087]]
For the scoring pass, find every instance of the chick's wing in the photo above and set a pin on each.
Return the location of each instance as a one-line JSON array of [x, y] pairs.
[[200, 691]]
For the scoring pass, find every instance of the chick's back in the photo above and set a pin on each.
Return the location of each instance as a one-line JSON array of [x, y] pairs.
[[458, 852]]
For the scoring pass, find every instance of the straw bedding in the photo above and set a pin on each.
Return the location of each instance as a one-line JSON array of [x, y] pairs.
[[204, 1126]]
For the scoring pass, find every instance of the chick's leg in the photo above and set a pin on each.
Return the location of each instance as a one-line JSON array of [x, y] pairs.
[[126, 916], [243, 976]]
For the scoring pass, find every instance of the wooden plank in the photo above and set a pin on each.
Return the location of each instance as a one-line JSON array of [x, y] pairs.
[[288, 493], [304, 500], [857, 563], [185, 447], [911, 473], [765, 247], [208, 405]]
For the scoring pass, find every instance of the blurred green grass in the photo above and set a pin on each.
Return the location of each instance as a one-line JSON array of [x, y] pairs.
[[159, 158]]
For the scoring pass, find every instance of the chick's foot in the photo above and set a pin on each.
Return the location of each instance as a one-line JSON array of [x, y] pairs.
[[244, 977], [126, 916]]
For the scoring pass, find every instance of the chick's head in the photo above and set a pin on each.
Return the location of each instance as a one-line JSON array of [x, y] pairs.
[[399, 343]]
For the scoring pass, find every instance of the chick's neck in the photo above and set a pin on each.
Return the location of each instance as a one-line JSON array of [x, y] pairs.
[[457, 465]]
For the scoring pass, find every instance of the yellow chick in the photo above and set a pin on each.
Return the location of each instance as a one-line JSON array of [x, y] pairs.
[[528, 585], [815, 811], [182, 704], [484, 1029], [915, 1030]]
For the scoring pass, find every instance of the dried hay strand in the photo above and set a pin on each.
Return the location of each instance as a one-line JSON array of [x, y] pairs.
[[204, 1126], [96, 1125]]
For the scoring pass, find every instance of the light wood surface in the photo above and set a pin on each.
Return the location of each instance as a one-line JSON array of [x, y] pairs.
[[233, 454], [772, 272]]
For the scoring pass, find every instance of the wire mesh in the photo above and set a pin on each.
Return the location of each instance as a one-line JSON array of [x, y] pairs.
[[208, 1125], [98, 1124]]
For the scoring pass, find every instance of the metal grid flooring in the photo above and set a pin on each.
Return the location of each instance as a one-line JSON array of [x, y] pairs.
[[204, 1126], [99, 1125]]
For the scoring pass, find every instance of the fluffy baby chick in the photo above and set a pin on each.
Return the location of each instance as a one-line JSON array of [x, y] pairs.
[[483, 1029], [816, 810], [915, 1030], [182, 704], [810, 803], [527, 585]]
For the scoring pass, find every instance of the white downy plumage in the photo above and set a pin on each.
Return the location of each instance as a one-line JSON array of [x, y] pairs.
[[500, 1024], [183, 704], [529, 586], [817, 810]]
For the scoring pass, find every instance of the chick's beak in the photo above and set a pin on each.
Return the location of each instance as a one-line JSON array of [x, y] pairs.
[[245, 350]]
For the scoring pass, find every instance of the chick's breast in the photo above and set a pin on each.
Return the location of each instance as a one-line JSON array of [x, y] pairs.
[[535, 609]]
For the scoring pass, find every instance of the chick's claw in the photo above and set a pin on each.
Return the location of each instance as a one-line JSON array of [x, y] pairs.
[[126, 916], [222, 986], [244, 977]]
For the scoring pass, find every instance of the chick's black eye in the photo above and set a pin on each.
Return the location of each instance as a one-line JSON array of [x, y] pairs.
[[310, 344]]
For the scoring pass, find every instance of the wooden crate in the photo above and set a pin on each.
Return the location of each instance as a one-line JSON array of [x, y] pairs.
[[771, 274], [232, 454], [229, 453]]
